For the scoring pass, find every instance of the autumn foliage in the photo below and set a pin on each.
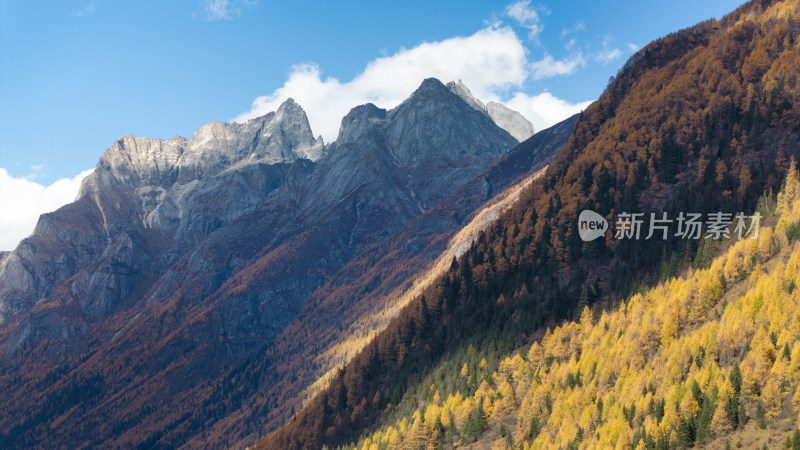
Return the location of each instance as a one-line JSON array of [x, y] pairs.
[[706, 119], [692, 359]]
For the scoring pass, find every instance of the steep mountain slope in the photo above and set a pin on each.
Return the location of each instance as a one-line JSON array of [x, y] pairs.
[[703, 120], [359, 299], [182, 258], [686, 363]]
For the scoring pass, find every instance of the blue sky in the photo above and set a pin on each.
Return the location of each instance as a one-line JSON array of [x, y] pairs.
[[77, 74]]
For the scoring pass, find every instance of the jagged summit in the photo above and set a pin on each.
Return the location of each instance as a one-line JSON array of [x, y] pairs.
[[277, 137], [515, 123], [357, 119], [289, 103], [433, 90], [433, 125], [430, 85], [460, 89]]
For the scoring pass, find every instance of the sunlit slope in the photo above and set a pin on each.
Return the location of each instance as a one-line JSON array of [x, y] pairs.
[[714, 354]]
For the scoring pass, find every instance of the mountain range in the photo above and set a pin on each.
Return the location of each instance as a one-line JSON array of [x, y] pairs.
[[181, 259], [421, 281]]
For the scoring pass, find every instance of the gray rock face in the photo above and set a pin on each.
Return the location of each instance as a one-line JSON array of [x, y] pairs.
[[167, 181], [508, 119], [460, 89], [515, 123], [185, 188], [385, 168]]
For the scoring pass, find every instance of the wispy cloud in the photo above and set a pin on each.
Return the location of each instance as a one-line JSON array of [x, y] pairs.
[[36, 172], [529, 17], [607, 54], [493, 22], [550, 67], [213, 10], [22, 201], [86, 8], [526, 16], [571, 44], [578, 26]]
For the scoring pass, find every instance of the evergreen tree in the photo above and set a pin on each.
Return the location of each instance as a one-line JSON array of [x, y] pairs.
[[704, 418], [534, 429], [686, 433], [476, 423]]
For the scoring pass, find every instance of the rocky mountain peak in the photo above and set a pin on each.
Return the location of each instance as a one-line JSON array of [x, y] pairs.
[[431, 88], [292, 123], [433, 94], [435, 124], [168, 184], [291, 107], [357, 120], [277, 137], [515, 123], [460, 89], [432, 125]]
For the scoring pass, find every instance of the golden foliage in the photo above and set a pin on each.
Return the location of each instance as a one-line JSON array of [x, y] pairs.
[[604, 379]]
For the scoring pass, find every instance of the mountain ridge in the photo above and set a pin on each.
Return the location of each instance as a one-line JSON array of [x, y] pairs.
[[178, 259]]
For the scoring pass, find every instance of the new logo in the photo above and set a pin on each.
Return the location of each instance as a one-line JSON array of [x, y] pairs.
[[591, 225]]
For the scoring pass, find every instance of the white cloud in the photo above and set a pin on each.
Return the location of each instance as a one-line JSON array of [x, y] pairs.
[[216, 10], [22, 201], [36, 172], [544, 110], [579, 26], [490, 62], [526, 16], [550, 67], [224, 9], [86, 8], [607, 55], [633, 47], [493, 22]]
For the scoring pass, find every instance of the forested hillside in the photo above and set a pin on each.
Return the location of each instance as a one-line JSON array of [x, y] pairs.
[[689, 362], [357, 302], [703, 120]]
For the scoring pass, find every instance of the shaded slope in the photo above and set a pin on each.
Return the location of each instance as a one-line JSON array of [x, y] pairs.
[[330, 327]]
